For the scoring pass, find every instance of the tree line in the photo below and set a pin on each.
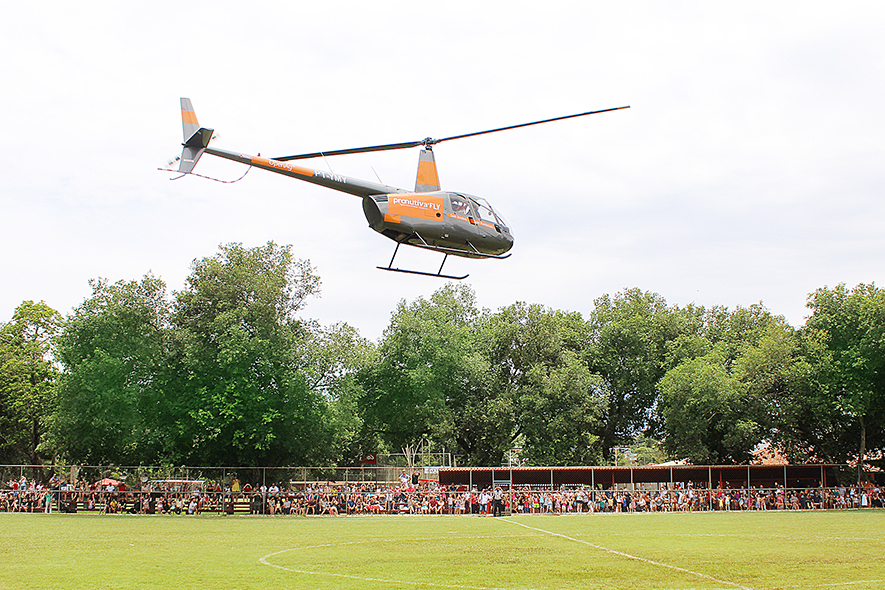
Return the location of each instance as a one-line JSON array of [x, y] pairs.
[[224, 372]]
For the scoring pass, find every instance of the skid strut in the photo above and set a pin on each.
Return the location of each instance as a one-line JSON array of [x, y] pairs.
[[438, 274]]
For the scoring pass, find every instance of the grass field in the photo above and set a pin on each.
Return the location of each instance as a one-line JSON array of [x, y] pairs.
[[600, 551]]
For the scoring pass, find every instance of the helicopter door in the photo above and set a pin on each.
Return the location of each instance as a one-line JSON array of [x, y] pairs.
[[461, 208], [485, 213]]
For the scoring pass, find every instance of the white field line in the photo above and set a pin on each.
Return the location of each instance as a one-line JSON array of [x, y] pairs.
[[830, 585], [628, 556], [265, 561], [758, 536]]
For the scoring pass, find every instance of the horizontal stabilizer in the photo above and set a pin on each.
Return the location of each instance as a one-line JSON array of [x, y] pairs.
[[193, 149]]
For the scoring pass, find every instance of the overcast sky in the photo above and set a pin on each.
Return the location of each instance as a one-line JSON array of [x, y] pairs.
[[749, 167]]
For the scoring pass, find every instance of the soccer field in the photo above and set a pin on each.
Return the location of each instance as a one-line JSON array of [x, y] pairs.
[[677, 551]]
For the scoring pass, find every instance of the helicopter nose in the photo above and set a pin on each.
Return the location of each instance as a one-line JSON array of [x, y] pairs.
[[507, 240]]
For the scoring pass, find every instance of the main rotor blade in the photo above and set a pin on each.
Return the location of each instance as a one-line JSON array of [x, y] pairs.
[[435, 141], [430, 141], [360, 150]]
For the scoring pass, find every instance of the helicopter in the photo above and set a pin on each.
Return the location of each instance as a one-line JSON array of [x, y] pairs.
[[448, 222]]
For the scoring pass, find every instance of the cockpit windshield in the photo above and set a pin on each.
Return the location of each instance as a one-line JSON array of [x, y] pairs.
[[486, 213]]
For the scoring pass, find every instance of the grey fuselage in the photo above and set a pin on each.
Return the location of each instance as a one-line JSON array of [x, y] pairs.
[[454, 223]]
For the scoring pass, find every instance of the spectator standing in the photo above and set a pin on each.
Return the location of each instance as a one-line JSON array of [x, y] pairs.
[[498, 499]]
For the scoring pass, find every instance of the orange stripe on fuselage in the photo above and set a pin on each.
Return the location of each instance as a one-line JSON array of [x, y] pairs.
[[473, 221], [189, 117], [285, 166]]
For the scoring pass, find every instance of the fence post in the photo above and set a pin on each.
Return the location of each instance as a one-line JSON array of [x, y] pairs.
[[710, 489]]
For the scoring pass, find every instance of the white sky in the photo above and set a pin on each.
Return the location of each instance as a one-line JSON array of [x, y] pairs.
[[749, 168]]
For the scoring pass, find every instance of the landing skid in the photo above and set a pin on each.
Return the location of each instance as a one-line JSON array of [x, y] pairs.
[[438, 274], [419, 272]]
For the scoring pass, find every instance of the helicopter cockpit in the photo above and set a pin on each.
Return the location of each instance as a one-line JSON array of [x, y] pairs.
[[460, 206], [486, 213]]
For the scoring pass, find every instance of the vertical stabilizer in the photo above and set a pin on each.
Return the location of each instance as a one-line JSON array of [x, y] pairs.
[[427, 180], [196, 138], [189, 122]]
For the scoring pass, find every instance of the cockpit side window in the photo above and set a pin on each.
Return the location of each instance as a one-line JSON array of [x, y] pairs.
[[485, 211], [460, 206], [477, 208]]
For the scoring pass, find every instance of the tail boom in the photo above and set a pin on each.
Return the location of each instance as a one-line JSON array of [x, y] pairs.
[[196, 143]]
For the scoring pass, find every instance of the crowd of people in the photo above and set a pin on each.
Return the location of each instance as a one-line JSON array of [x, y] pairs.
[[412, 496]]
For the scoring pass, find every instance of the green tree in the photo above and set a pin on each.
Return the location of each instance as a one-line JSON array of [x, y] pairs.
[[647, 451], [808, 426], [629, 348], [736, 330], [332, 360], [777, 378], [431, 380], [705, 412], [849, 326], [27, 381], [730, 386], [559, 413], [537, 367], [113, 405], [244, 397]]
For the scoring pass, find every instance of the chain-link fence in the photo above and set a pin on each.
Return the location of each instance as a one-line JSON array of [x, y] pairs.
[[212, 478], [398, 489]]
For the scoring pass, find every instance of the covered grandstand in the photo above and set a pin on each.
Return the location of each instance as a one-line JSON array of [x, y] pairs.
[[649, 476]]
